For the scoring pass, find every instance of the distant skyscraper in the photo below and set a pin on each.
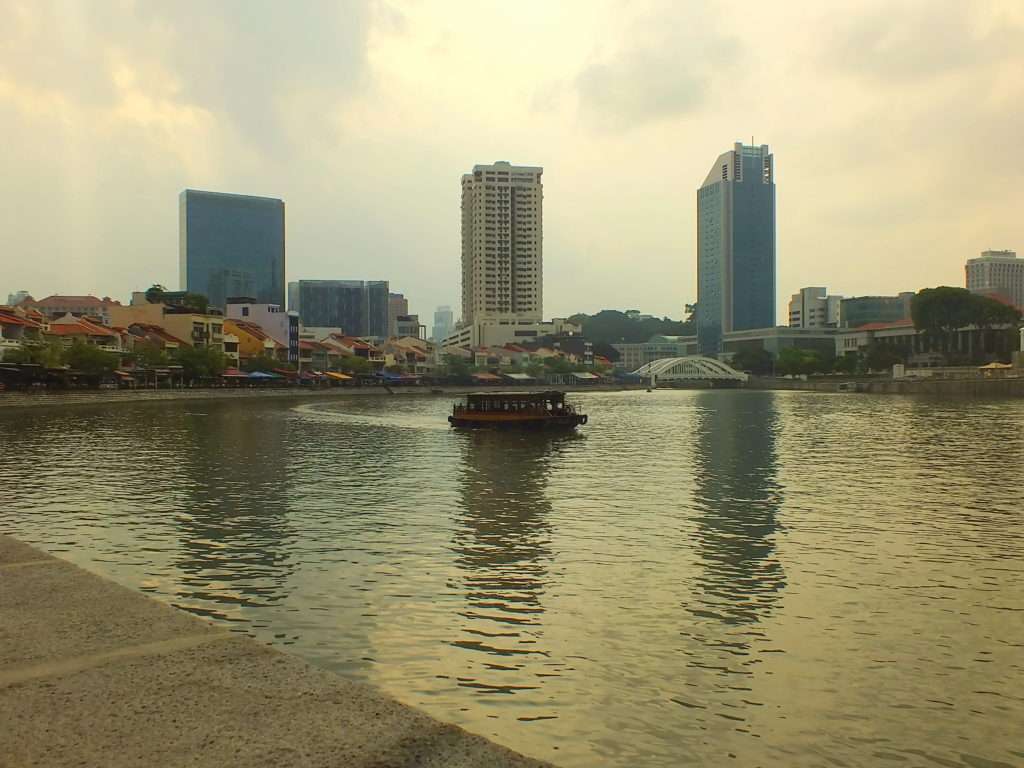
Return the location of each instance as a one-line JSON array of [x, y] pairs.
[[736, 246], [502, 244], [997, 273], [359, 308], [444, 323], [13, 299], [398, 306], [232, 245]]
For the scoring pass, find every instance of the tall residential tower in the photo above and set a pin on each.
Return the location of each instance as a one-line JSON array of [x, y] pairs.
[[502, 244], [736, 246], [231, 245]]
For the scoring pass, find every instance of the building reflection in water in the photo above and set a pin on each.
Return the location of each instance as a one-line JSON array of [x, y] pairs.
[[737, 497], [234, 529], [502, 546]]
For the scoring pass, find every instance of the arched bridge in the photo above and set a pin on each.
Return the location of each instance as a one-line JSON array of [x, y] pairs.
[[693, 368]]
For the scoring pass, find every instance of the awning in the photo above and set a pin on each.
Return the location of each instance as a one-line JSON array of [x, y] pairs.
[[519, 376], [585, 376], [338, 376], [996, 367], [263, 375], [233, 373], [124, 374], [486, 377]]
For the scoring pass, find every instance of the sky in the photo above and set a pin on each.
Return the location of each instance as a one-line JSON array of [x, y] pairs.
[[897, 129]]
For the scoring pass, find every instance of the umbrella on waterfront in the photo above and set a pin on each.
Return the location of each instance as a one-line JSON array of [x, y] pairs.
[[261, 375]]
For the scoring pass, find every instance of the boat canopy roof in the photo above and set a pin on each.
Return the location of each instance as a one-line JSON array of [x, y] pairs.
[[550, 396]]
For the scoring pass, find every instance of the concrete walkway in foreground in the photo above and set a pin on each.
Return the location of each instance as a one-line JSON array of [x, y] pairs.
[[95, 674]]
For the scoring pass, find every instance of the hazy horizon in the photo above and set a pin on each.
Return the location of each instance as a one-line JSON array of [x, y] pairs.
[[362, 117]]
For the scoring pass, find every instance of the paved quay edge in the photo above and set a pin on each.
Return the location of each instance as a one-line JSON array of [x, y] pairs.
[[95, 673]]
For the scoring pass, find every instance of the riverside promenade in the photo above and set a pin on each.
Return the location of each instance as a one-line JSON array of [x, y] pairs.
[[95, 674]]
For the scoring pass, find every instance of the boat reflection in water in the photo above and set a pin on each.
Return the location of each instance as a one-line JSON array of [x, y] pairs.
[[503, 550]]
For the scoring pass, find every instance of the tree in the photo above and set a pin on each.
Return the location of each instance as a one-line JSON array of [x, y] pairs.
[[756, 361], [799, 362], [264, 363], [155, 294], [848, 364], [535, 368], [150, 355], [90, 360], [609, 326], [196, 302], [880, 357], [457, 367], [941, 311], [48, 355], [558, 365], [199, 363]]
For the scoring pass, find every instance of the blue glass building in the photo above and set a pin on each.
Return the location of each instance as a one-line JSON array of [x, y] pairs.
[[232, 245], [359, 308], [736, 246]]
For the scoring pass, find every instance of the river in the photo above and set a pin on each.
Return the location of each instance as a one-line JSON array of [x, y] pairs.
[[697, 577]]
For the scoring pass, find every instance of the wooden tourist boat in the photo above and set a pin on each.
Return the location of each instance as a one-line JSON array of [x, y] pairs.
[[517, 410]]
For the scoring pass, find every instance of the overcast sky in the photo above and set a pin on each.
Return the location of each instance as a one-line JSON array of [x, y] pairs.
[[897, 129]]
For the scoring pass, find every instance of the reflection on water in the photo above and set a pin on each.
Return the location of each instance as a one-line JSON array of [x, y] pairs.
[[737, 498], [233, 527], [502, 546], [713, 577]]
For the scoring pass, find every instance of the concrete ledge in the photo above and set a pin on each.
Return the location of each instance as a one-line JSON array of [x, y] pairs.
[[92, 673]]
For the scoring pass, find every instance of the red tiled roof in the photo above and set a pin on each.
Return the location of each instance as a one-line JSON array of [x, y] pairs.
[[80, 327], [78, 301], [12, 319], [885, 326]]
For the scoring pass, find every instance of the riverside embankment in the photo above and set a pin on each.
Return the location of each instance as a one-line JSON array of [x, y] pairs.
[[93, 673], [974, 387], [100, 397]]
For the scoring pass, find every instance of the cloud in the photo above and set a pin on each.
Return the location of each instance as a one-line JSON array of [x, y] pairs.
[[666, 67], [917, 41]]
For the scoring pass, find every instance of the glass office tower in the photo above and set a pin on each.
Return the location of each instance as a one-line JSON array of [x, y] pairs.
[[359, 308], [736, 246], [232, 245]]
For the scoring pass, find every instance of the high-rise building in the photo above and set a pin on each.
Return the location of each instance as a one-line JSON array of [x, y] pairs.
[[232, 245], [999, 274], [502, 244], [814, 308], [358, 307], [444, 323], [14, 299], [736, 246], [398, 306]]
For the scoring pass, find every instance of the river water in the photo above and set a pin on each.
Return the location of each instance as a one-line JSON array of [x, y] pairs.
[[697, 577]]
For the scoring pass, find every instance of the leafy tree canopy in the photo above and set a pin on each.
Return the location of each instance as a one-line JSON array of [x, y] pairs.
[[610, 326], [944, 309], [200, 362], [89, 359], [757, 361]]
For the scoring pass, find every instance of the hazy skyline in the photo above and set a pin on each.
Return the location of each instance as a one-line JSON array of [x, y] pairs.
[[894, 128]]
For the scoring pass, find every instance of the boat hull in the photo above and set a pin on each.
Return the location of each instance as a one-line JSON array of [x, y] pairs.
[[506, 421]]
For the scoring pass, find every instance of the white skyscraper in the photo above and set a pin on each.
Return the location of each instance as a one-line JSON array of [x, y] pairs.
[[998, 273], [502, 244]]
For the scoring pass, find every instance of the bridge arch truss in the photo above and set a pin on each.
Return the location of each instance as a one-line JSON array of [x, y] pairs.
[[692, 368]]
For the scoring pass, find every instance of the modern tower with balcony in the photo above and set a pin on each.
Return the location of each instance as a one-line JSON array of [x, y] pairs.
[[502, 244], [736, 246]]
